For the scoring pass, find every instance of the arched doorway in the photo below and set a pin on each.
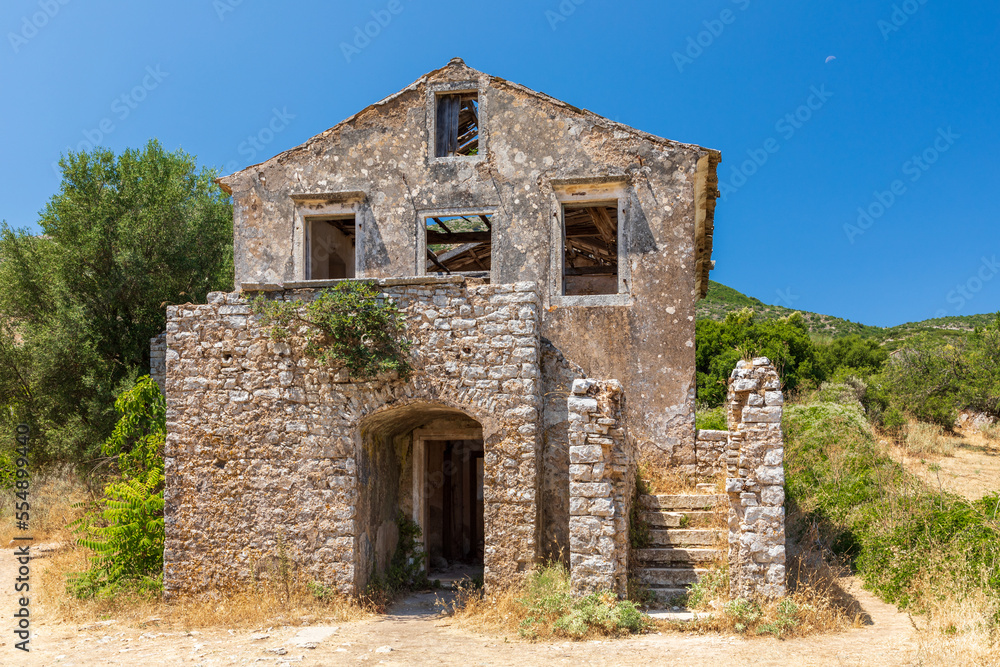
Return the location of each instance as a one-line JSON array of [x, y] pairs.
[[425, 461]]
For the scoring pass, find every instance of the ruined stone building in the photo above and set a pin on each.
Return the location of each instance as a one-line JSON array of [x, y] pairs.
[[548, 262]]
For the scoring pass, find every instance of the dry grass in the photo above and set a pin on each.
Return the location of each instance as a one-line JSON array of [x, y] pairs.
[[923, 439], [542, 608], [958, 629], [659, 480], [816, 603], [56, 495], [260, 605]]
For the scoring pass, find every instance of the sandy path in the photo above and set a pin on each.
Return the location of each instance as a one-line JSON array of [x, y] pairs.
[[418, 635]]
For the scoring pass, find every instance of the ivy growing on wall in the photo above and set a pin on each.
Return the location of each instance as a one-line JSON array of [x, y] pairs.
[[349, 324]]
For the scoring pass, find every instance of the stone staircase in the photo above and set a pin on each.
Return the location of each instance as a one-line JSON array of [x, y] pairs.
[[687, 537]]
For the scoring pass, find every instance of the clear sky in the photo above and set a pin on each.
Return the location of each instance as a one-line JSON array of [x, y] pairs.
[[860, 140]]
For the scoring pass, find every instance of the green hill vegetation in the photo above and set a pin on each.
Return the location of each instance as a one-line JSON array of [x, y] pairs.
[[722, 300]]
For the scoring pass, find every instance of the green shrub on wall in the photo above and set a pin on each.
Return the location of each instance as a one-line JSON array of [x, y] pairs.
[[350, 324]]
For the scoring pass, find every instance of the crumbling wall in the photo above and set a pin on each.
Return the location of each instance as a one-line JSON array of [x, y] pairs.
[[601, 487], [158, 360], [710, 453], [262, 445], [755, 481]]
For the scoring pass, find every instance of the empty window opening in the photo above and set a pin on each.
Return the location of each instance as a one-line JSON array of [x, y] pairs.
[[590, 261], [459, 244], [457, 125], [331, 247]]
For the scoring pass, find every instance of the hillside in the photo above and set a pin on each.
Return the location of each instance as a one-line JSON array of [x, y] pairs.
[[722, 299]]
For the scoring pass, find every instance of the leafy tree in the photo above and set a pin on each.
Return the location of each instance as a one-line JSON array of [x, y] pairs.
[[784, 341], [125, 236], [934, 381], [862, 356]]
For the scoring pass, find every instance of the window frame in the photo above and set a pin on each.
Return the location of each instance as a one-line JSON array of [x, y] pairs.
[[421, 245], [455, 88], [588, 191], [309, 208]]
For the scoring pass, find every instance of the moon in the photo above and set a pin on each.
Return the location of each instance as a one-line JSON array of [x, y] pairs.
[[830, 59]]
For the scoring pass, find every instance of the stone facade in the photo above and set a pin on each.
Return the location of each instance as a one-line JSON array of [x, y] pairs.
[[536, 154], [601, 487], [755, 481], [267, 451]]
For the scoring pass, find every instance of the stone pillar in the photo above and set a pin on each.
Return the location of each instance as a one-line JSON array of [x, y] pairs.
[[158, 361], [755, 481], [601, 487]]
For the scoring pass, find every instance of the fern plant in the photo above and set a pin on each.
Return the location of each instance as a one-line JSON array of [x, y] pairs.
[[125, 530], [350, 324]]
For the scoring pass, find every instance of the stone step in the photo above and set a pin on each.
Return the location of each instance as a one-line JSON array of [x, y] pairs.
[[682, 502], [705, 488], [667, 596], [665, 556], [677, 519], [669, 577], [679, 537]]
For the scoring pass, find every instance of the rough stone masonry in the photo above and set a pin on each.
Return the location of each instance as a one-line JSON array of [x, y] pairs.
[[755, 481], [269, 453]]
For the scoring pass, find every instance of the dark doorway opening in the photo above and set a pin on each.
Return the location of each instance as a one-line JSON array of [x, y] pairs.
[[455, 535]]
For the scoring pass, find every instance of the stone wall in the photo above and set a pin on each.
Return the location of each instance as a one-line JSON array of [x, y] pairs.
[[158, 360], [601, 487], [710, 453], [269, 452], [701, 454], [755, 481]]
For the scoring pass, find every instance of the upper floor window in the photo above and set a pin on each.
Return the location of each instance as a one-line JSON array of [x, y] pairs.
[[458, 243], [590, 225], [330, 242], [457, 124], [590, 248]]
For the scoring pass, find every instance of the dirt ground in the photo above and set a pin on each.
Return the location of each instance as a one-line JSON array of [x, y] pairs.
[[972, 470], [415, 633]]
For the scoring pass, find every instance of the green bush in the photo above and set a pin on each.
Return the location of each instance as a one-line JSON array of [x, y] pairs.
[[712, 419], [548, 601], [350, 324], [896, 532], [125, 530], [406, 567], [784, 341]]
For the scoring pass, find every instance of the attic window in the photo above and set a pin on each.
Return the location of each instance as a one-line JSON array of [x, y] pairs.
[[331, 242], [590, 256], [457, 127], [460, 244]]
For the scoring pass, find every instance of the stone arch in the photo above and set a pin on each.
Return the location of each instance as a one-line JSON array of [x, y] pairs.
[[383, 440]]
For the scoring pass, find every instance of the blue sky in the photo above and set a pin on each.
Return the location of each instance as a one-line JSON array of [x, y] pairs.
[[902, 125]]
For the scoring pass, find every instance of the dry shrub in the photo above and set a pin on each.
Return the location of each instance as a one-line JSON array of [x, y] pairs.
[[958, 628], [56, 495], [661, 480], [922, 439], [259, 605]]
